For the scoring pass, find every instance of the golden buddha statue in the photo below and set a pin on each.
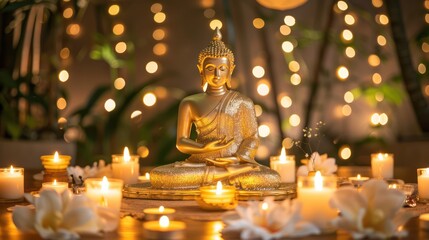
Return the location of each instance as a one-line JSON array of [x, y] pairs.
[[227, 140]]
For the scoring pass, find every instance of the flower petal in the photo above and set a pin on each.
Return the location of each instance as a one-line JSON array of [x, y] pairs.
[[348, 201], [389, 201], [302, 171], [23, 218], [81, 220]]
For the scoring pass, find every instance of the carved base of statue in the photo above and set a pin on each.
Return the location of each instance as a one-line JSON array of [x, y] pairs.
[[183, 175]]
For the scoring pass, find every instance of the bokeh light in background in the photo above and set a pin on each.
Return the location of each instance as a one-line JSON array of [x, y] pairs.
[[294, 120], [114, 9], [151, 67], [258, 23], [345, 152], [342, 73], [109, 105], [121, 47], [258, 71], [350, 52], [263, 87], [216, 23], [149, 99], [63, 76], [119, 83], [264, 130]]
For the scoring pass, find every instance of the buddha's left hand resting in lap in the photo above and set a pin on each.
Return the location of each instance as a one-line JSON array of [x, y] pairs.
[[226, 126]]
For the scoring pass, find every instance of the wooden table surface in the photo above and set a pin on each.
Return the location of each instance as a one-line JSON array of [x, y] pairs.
[[131, 228]]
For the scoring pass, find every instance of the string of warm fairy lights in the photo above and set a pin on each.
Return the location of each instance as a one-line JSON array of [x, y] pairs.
[[422, 68], [72, 30]]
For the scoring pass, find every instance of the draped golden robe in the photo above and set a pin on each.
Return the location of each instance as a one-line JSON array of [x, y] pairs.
[[233, 118]]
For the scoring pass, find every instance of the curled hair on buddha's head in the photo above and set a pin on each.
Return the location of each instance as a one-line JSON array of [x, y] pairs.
[[216, 49]]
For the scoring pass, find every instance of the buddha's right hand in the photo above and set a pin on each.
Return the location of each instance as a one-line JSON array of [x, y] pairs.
[[218, 144]]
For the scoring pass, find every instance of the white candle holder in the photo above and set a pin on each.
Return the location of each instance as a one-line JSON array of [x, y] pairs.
[[11, 184], [423, 184], [382, 165], [314, 193]]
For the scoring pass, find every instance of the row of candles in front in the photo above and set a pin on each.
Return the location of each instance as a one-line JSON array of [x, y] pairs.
[[125, 168]]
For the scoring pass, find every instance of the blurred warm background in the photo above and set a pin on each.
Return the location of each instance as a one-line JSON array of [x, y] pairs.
[[93, 76]]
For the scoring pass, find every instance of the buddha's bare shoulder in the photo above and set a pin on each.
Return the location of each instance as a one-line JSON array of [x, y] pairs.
[[192, 99]]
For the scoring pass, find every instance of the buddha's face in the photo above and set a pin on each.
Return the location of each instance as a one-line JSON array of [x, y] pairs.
[[216, 71]]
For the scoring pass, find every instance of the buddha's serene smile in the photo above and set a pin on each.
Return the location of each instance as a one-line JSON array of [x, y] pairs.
[[226, 126]]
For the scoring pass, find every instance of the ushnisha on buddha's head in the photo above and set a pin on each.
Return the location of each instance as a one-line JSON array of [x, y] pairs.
[[216, 63]]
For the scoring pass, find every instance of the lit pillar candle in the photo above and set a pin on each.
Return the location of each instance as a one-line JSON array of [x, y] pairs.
[[59, 187], [314, 193], [423, 184], [126, 167], [156, 213], [11, 183], [217, 197], [164, 229], [105, 192], [382, 165], [55, 162], [285, 166]]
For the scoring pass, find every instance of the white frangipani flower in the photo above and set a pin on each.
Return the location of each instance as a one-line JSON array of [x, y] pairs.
[[326, 166], [56, 216], [269, 220], [374, 212]]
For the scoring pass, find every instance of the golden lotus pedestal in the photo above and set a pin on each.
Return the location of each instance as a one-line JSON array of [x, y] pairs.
[[145, 191]]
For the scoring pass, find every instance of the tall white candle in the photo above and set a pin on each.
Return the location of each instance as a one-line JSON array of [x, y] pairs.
[[382, 165], [285, 166], [126, 167], [11, 183], [423, 184], [314, 193]]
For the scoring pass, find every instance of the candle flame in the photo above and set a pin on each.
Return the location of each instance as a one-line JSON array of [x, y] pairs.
[[218, 188], [283, 155], [380, 156], [11, 169], [164, 222], [161, 209], [318, 181], [56, 157], [55, 182], [147, 175], [104, 184], [358, 176], [425, 172], [264, 206], [127, 157]]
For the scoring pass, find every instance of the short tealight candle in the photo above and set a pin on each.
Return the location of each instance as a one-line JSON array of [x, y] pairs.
[[126, 167], [358, 180], [423, 184], [314, 193], [11, 183], [59, 187], [382, 165], [164, 229], [145, 178], [156, 213], [284, 165], [217, 197]]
